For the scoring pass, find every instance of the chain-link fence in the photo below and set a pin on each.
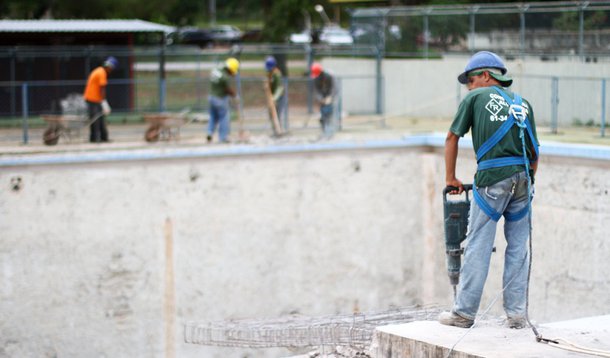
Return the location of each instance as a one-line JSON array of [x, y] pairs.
[[545, 29], [150, 79]]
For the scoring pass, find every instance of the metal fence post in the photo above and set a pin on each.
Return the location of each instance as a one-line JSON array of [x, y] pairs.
[[378, 82], [239, 96], [472, 11], [426, 33], [522, 10], [309, 53], [13, 56], [285, 111], [162, 88], [339, 114], [603, 124], [581, 29], [554, 104], [24, 110]]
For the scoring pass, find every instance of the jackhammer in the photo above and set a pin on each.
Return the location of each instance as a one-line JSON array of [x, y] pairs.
[[456, 227]]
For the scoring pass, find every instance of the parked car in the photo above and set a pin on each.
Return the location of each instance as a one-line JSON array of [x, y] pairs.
[[190, 36], [335, 35], [226, 34], [329, 35], [301, 37]]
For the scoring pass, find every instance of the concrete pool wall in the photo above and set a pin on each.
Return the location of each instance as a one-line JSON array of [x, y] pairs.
[[109, 254]]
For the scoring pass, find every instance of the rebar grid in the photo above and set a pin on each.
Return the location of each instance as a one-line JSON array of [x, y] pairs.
[[354, 330]]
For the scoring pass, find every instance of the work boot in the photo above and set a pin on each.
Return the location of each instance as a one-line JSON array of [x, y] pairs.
[[516, 322], [453, 319]]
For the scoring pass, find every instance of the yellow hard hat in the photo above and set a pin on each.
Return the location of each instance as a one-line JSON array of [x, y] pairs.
[[232, 64]]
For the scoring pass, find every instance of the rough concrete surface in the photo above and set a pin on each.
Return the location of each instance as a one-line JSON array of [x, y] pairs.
[[489, 339], [111, 257]]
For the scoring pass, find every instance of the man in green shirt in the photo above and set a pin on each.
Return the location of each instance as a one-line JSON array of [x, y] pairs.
[[220, 90], [497, 118]]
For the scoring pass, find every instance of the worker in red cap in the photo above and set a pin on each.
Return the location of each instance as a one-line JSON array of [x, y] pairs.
[[324, 93], [95, 96]]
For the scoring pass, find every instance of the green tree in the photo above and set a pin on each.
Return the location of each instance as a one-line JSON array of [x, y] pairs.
[[285, 17]]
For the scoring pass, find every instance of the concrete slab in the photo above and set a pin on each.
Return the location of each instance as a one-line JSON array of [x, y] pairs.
[[489, 339]]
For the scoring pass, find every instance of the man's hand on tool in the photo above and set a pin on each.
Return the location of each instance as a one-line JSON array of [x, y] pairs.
[[455, 183]]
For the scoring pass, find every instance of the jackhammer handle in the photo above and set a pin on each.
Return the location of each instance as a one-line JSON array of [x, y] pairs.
[[467, 187], [449, 188]]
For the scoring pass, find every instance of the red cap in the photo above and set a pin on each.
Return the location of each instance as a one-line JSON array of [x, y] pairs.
[[316, 69]]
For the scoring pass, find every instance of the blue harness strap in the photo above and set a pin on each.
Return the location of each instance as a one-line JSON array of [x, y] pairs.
[[517, 116], [487, 209]]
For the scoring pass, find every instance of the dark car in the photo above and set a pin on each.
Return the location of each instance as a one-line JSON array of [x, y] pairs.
[[225, 34], [191, 36]]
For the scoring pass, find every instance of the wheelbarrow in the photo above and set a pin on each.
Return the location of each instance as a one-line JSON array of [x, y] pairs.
[[165, 125], [64, 125]]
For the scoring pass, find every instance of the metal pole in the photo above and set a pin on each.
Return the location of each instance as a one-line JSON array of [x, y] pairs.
[[24, 110], [284, 115], [378, 65], [522, 30], [309, 54], [603, 125], [13, 55], [339, 114], [473, 10], [162, 89], [378, 82], [554, 104], [238, 85], [581, 29], [426, 33], [212, 8]]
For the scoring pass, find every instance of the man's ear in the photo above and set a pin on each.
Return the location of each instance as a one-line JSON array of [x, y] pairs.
[[487, 76]]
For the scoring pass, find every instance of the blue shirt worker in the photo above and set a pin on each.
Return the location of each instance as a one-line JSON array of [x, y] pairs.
[[324, 93], [274, 83], [220, 92], [506, 146]]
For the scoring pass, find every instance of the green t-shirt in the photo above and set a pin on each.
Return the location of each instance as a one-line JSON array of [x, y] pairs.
[[484, 110], [219, 82], [276, 84]]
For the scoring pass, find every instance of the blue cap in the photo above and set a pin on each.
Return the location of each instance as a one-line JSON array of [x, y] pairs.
[[270, 63], [111, 62]]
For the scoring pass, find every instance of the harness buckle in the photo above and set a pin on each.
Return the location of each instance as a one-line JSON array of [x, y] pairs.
[[519, 112]]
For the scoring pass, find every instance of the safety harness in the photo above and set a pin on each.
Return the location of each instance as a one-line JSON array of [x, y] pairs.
[[517, 115]]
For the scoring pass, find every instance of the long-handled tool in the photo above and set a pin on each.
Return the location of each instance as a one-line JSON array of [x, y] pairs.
[[243, 136], [276, 123]]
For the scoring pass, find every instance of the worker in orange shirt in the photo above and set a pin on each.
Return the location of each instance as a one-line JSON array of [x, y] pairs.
[[95, 96]]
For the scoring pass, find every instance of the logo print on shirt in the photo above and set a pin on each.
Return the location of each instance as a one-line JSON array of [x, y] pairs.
[[495, 105]]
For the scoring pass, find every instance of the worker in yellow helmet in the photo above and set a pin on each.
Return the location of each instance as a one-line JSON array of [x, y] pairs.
[[220, 92]]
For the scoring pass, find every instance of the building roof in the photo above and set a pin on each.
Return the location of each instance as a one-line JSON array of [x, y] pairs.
[[14, 26]]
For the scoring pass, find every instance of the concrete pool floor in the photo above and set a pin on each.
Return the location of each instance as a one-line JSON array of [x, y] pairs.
[[491, 339]]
